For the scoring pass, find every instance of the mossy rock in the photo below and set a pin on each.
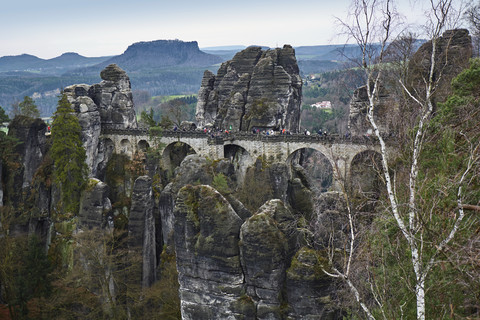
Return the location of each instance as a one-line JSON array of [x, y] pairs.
[[307, 265]]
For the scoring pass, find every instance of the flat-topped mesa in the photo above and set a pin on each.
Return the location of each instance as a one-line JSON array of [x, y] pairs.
[[257, 89]]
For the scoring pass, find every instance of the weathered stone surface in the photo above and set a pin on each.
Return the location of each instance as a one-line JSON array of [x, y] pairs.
[[300, 198], [109, 103], [256, 89], [266, 240], [141, 228], [385, 114], [453, 51], [89, 119], [208, 257], [113, 96], [31, 148], [279, 180], [309, 289], [193, 169], [190, 170], [331, 222], [94, 205], [20, 190]]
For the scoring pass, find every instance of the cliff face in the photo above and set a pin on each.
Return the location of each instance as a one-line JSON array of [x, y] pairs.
[[108, 103], [31, 151], [256, 89], [234, 269], [453, 51]]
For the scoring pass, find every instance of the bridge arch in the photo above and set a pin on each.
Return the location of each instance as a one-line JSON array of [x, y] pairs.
[[143, 145], [237, 153], [125, 147], [317, 165], [240, 158], [174, 153]]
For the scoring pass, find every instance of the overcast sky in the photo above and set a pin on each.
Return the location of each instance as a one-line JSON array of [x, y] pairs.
[[92, 28]]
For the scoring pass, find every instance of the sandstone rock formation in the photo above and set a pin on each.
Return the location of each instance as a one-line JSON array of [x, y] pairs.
[[141, 228], [208, 257], [31, 150], [309, 290], [454, 50], [385, 113], [193, 168], [94, 206], [256, 89], [108, 103]]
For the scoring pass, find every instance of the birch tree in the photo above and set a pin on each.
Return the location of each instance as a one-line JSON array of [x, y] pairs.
[[371, 25]]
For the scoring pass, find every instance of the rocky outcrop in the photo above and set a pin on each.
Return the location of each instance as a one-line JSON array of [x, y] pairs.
[[95, 206], [108, 103], [386, 114], [453, 52], [89, 120], [208, 257], [267, 242], [256, 89], [141, 228], [309, 290], [193, 169], [31, 149]]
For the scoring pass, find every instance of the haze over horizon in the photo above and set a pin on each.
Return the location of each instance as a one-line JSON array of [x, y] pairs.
[[95, 28]]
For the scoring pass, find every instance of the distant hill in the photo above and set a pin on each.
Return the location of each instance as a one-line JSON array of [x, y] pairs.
[[161, 67], [55, 66], [18, 63], [157, 55]]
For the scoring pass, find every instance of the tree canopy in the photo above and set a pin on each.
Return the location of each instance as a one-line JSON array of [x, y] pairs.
[[68, 154], [26, 108], [3, 115]]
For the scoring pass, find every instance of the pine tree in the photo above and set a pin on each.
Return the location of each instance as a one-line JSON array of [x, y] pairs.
[[28, 108], [3, 116], [68, 154]]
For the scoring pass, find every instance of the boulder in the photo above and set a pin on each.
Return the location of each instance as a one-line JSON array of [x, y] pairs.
[[256, 89]]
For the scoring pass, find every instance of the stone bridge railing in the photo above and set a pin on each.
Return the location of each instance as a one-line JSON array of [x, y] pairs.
[[219, 137]]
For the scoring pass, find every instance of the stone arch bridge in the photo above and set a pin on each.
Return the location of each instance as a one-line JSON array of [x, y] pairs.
[[340, 152]]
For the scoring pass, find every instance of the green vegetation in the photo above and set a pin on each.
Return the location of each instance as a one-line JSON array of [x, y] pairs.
[[68, 154], [3, 116], [26, 108], [167, 111], [25, 271], [451, 152]]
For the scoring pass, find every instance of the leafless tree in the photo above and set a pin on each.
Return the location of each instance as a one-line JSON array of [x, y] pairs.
[[371, 24]]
